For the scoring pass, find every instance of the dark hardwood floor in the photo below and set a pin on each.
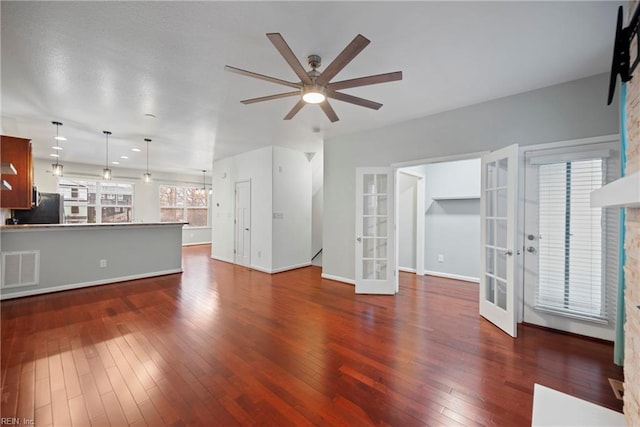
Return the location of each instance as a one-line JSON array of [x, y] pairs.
[[222, 345]]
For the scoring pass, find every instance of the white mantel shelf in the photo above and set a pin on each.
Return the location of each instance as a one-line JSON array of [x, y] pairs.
[[623, 192]]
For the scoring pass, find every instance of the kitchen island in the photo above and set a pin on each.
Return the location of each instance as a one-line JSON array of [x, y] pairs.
[[45, 258]]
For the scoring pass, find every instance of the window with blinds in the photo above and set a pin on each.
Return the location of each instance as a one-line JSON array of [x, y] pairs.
[[571, 273]]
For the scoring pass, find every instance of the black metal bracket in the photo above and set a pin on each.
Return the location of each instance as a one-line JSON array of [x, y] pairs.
[[621, 64]]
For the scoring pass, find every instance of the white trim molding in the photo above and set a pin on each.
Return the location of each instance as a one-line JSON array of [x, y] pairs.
[[452, 276], [338, 279]]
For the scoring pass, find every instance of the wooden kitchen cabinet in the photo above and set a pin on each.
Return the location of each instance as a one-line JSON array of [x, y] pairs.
[[17, 151]]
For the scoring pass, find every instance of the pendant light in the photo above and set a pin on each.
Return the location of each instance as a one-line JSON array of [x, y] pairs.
[[56, 168], [204, 182], [147, 176], [106, 172]]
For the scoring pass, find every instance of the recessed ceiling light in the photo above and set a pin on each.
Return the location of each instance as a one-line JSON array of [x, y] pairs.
[[136, 150], [60, 138], [124, 157], [54, 155], [115, 163], [55, 147]]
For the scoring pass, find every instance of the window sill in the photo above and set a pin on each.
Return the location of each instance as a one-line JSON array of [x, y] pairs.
[[583, 317]]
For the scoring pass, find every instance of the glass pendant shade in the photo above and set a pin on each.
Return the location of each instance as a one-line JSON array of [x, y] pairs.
[[56, 169], [146, 177], [106, 173]]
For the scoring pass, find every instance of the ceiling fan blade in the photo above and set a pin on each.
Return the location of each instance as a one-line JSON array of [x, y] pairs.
[[295, 109], [261, 76], [354, 100], [288, 55], [328, 110], [270, 97], [351, 51], [365, 81]]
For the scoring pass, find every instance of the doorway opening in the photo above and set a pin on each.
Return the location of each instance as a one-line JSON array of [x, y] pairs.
[[438, 217]]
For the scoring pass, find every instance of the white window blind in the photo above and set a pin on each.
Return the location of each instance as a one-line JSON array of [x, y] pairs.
[[571, 274]]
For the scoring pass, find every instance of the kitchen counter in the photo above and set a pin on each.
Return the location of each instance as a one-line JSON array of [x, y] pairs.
[[74, 226], [41, 258]]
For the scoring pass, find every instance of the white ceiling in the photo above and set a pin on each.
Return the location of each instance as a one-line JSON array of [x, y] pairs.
[[103, 65]]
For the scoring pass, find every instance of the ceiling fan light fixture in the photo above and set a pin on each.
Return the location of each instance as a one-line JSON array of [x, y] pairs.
[[314, 95]]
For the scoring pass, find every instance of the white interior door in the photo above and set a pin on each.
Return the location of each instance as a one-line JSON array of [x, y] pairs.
[[242, 250], [498, 204], [375, 232]]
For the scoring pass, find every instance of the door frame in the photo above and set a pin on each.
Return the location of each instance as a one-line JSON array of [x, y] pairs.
[[420, 210], [419, 231], [592, 330], [235, 222]]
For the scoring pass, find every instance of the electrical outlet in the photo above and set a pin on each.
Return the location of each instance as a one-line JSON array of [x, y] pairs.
[[103, 263], [440, 258]]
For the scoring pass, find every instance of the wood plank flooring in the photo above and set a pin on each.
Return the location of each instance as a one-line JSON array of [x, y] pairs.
[[223, 345]]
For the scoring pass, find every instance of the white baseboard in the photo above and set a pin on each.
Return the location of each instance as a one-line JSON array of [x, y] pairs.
[[291, 267], [217, 258], [260, 269], [31, 292], [452, 276], [407, 269], [280, 269], [196, 243], [338, 279]]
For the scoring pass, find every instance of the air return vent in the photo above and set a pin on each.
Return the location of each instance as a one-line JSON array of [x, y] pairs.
[[20, 268]]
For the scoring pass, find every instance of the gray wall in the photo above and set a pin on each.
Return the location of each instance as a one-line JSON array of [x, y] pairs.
[[70, 255], [567, 111]]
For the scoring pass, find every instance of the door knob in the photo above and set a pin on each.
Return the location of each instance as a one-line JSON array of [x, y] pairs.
[[531, 250], [508, 252], [359, 239]]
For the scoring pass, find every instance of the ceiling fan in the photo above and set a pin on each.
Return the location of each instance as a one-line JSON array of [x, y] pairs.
[[315, 87]]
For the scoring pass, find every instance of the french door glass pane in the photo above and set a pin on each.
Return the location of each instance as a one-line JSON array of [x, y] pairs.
[[374, 227]]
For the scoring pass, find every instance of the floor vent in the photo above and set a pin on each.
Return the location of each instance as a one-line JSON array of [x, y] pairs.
[[618, 388], [20, 268]]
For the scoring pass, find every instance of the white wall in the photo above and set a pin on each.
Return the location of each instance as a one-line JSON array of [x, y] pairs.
[[254, 166], [146, 195], [291, 209], [280, 207], [571, 110], [407, 199], [317, 202]]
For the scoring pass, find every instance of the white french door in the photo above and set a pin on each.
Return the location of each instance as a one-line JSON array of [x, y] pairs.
[[375, 232], [498, 213], [242, 250]]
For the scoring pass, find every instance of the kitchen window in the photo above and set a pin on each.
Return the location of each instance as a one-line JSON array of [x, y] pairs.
[[96, 202], [184, 204]]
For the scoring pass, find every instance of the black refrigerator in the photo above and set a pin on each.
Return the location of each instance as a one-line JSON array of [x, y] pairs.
[[50, 210]]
